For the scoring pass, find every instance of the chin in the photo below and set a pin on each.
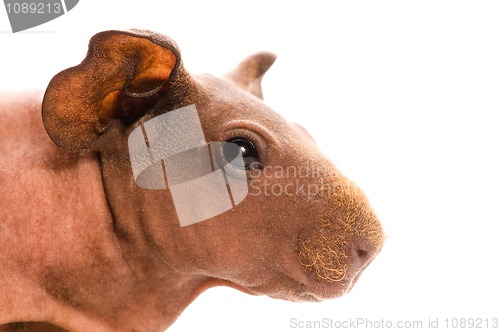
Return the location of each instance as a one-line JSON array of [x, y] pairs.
[[312, 296], [303, 290]]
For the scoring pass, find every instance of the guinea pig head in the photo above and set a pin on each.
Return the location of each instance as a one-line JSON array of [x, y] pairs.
[[276, 217]]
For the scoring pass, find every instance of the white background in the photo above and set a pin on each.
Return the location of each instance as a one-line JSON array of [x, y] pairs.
[[403, 96]]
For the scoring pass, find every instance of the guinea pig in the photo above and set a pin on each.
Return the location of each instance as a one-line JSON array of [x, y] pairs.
[[130, 186]]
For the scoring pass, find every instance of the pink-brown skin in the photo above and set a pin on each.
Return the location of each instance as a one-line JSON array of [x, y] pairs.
[[83, 248]]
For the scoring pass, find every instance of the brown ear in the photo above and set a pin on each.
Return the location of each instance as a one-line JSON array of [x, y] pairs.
[[248, 74], [122, 77]]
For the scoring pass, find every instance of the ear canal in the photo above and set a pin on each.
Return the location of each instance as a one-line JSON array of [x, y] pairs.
[[248, 74], [122, 77]]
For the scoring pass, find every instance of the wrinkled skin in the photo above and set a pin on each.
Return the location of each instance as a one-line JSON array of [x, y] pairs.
[[83, 248]]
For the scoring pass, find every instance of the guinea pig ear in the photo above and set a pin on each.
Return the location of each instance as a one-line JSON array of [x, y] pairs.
[[122, 77], [248, 74]]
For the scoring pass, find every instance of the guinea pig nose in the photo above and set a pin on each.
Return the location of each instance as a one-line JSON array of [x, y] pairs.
[[363, 251]]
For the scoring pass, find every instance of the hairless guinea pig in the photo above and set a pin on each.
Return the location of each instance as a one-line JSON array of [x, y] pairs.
[[140, 186]]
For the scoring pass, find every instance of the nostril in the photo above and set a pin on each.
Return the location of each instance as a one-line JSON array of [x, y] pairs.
[[362, 253]]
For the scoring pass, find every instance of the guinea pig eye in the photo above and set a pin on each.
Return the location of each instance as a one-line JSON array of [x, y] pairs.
[[248, 151]]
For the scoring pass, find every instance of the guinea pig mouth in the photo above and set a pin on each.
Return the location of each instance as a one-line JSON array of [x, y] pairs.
[[333, 261]]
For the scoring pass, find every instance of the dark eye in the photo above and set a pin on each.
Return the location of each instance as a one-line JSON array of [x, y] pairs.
[[248, 151]]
